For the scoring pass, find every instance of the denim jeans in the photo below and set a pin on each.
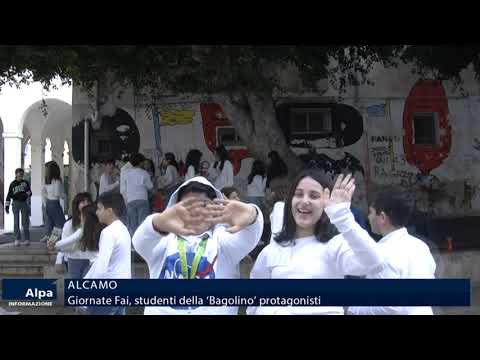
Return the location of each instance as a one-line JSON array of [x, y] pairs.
[[137, 211], [55, 215], [17, 208], [78, 268]]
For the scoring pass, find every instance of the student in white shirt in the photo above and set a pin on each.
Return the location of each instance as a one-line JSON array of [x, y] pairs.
[[52, 192], [138, 184], [406, 257], [256, 184], [114, 255], [198, 223], [82, 245], [149, 166], [123, 179], [169, 181], [221, 171], [192, 163], [308, 247], [76, 263], [107, 180]]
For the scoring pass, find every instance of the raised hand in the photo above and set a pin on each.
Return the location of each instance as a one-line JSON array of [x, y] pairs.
[[236, 214], [342, 190], [188, 217]]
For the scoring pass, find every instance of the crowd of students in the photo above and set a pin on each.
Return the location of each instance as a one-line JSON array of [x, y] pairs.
[[207, 227]]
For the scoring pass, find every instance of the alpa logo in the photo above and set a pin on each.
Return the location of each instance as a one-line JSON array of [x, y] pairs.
[[39, 294]]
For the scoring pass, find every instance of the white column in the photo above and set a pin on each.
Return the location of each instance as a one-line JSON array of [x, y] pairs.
[[38, 160], [12, 143]]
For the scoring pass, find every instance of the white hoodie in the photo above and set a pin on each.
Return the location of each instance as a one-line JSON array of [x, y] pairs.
[[221, 259]]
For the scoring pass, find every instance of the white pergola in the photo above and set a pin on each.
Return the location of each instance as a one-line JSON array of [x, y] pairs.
[[23, 120]]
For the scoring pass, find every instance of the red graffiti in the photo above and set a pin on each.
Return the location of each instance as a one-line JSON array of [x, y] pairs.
[[427, 97], [213, 117]]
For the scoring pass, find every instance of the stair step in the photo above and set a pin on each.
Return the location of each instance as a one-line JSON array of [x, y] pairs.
[[31, 258], [25, 251], [21, 270]]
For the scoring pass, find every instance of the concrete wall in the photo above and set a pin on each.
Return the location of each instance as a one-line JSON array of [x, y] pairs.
[[459, 265]]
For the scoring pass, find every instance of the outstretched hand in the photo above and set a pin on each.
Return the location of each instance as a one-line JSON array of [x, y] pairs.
[[236, 214], [188, 217], [342, 190], [194, 216]]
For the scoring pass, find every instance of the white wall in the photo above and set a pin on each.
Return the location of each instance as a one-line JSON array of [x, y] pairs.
[[384, 164]]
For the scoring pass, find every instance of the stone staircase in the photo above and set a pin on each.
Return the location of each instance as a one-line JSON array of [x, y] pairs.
[[24, 262], [35, 261]]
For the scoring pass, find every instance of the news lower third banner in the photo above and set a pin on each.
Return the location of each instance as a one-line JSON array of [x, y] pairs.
[[245, 292], [248, 292]]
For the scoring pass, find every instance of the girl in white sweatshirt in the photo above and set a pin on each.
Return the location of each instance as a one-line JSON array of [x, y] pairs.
[[309, 246], [221, 171], [192, 163], [219, 244], [52, 192], [257, 182], [82, 245], [76, 262]]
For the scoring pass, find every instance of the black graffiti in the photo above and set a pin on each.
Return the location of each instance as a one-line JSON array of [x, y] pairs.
[[321, 161], [117, 136], [384, 138]]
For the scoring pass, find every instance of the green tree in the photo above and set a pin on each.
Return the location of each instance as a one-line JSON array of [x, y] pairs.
[[245, 80]]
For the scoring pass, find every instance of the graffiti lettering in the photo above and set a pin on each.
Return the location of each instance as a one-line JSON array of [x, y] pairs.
[[384, 138]]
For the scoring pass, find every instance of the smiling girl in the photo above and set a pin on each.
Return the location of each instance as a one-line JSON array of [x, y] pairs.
[[309, 246]]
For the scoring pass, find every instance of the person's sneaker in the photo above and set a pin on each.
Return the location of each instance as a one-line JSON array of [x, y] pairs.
[[16, 243], [44, 239], [25, 243]]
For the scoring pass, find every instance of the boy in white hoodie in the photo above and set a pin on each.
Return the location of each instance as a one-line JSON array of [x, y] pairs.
[[199, 236]]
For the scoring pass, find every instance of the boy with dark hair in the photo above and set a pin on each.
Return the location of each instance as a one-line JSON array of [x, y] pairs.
[[231, 193], [19, 192], [406, 257], [198, 236], [114, 254]]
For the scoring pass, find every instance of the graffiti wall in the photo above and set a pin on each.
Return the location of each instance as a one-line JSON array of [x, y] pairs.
[[425, 142], [438, 176]]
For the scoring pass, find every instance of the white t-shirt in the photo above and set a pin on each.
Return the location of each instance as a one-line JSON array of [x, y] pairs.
[[222, 178], [257, 187], [353, 252], [107, 183], [123, 180], [190, 173], [138, 183], [114, 255], [276, 218], [69, 243], [406, 257], [53, 191], [170, 178]]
